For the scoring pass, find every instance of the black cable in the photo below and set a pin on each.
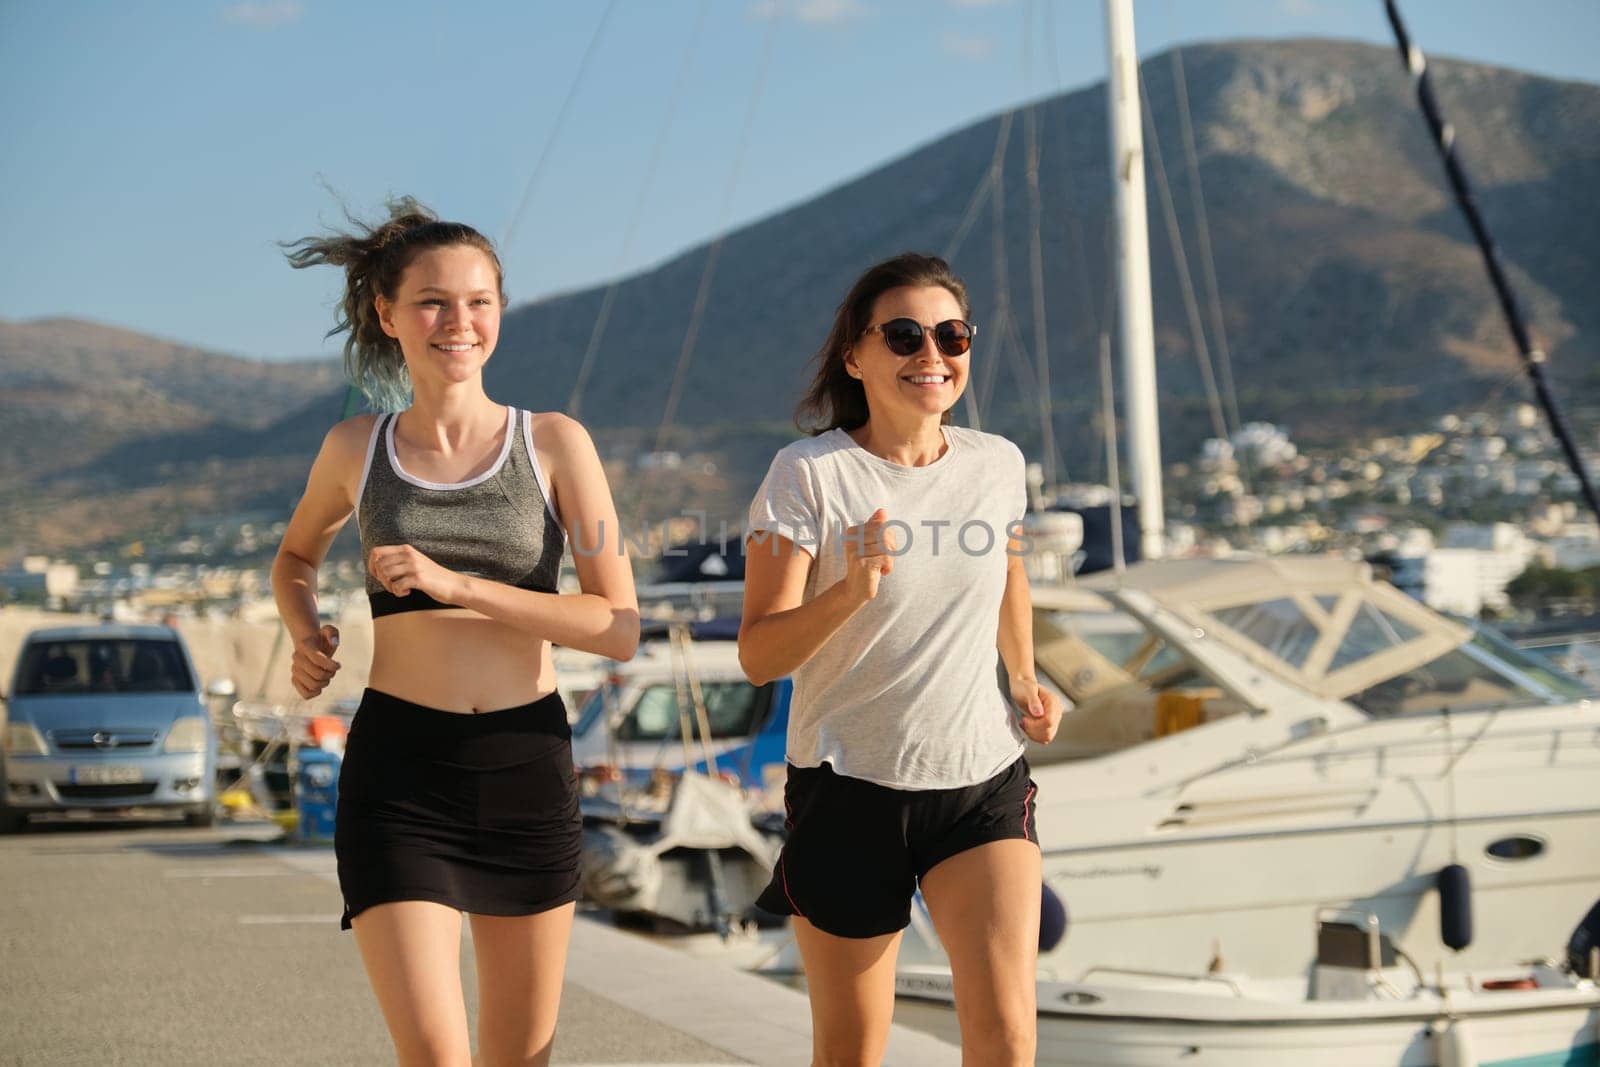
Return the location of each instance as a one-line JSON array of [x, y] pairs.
[[1533, 359]]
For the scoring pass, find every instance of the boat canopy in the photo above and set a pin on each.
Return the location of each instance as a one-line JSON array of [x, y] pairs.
[[1324, 625]]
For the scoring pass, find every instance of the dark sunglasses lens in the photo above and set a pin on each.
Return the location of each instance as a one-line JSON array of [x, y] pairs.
[[902, 336], [954, 337]]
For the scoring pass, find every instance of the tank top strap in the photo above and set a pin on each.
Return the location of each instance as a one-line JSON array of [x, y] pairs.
[[372, 449], [526, 420]]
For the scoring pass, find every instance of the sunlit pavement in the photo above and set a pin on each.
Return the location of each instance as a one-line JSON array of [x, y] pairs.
[[153, 944]]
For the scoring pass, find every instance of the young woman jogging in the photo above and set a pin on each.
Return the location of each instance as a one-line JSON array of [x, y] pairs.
[[884, 572], [457, 791]]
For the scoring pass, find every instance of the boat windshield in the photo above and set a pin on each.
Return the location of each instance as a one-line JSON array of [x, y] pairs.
[[1487, 671], [1365, 644], [1145, 656], [1563, 685], [1128, 684]]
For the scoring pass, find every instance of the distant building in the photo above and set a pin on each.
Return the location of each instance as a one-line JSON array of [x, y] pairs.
[[1239, 510], [1217, 455], [1471, 569], [1264, 444], [1577, 547], [1484, 449], [39, 578]]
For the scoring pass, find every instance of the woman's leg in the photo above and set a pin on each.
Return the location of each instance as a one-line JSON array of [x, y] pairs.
[[412, 951], [521, 961], [851, 984], [985, 906]]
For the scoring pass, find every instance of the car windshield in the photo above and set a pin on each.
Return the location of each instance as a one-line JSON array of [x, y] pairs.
[[103, 665], [730, 708]]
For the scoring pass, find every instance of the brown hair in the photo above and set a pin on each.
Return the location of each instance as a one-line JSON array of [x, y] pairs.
[[835, 399], [374, 258]]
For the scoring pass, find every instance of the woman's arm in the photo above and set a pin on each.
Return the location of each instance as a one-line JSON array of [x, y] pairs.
[[1041, 709], [777, 632], [323, 510], [604, 617]]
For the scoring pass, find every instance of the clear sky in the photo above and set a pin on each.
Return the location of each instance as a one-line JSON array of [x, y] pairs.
[[152, 151]]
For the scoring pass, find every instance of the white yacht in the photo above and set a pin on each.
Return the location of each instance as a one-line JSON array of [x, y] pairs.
[[1255, 740], [1248, 814]]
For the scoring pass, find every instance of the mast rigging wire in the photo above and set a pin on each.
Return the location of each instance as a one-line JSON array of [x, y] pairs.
[[555, 130], [1001, 268], [1180, 259], [690, 336], [1030, 136], [575, 400], [980, 195], [991, 362], [978, 401], [1533, 359], [1202, 229], [1047, 431]]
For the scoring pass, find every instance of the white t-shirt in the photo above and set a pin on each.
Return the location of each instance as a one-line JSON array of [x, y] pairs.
[[906, 693]]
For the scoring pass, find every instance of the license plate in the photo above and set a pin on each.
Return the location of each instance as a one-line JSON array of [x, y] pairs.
[[105, 775]]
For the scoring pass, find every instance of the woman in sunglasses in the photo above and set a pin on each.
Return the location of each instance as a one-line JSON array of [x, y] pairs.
[[884, 571], [456, 793]]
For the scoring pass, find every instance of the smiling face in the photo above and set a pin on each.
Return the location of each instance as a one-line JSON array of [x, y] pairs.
[[445, 313], [925, 383]]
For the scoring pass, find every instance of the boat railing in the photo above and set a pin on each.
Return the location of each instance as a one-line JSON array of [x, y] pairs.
[[1181, 976]]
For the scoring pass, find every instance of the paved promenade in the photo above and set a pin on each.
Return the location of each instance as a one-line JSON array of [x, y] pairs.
[[160, 945]]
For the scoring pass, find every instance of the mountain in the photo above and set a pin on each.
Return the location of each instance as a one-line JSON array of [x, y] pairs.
[[104, 430], [1351, 293], [1353, 298]]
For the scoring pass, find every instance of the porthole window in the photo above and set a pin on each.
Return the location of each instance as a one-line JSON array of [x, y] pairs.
[[1516, 847]]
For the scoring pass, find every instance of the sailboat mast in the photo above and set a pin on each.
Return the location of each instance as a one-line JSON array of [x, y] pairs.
[[1136, 328]]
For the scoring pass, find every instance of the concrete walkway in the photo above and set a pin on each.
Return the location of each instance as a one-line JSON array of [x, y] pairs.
[[158, 944]]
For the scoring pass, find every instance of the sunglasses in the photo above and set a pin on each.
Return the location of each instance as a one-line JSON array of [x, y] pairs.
[[903, 337]]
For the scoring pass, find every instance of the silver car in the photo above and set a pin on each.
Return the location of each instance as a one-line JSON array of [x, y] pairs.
[[106, 718]]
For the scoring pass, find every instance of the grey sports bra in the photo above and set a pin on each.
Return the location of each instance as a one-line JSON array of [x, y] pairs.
[[500, 525]]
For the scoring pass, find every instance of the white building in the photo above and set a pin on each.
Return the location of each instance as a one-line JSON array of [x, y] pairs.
[[1216, 455], [1474, 565], [1485, 449], [39, 575], [1266, 445], [1577, 547]]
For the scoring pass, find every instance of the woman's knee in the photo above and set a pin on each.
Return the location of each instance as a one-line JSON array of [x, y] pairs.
[[522, 1039], [845, 1051], [438, 1049], [1003, 1042]]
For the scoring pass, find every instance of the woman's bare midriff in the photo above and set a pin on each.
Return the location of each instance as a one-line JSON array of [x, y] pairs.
[[460, 661]]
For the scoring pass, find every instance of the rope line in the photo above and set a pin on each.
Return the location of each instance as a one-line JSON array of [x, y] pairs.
[[691, 335], [1533, 359], [555, 131], [1181, 262], [1202, 229], [604, 317]]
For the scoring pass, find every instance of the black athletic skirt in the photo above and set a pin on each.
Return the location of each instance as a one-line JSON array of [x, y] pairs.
[[478, 812]]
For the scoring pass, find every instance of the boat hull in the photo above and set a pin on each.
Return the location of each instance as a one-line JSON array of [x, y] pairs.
[[1082, 1025]]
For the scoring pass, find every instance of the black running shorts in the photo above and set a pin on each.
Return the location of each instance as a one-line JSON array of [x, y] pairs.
[[477, 812], [856, 849]]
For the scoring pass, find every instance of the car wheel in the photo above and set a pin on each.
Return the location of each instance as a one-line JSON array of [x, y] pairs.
[[13, 822], [205, 815]]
